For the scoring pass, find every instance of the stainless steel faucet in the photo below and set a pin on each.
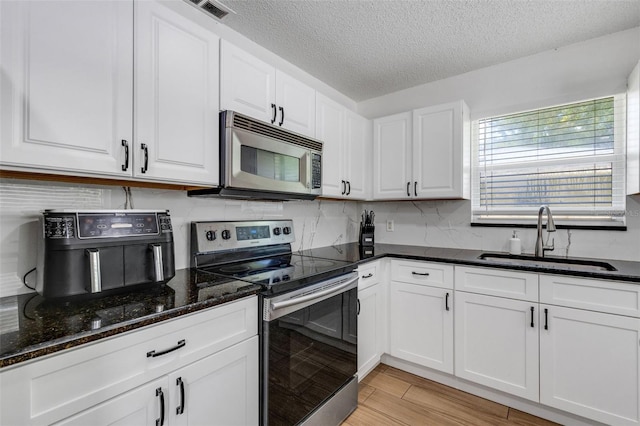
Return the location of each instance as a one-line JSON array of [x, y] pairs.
[[551, 227]]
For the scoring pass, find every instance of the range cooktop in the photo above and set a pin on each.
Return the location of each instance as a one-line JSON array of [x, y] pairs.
[[258, 252]]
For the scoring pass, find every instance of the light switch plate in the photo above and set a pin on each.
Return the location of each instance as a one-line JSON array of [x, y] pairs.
[[389, 225]]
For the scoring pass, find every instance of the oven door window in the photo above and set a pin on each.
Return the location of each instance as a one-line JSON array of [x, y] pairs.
[[312, 353]]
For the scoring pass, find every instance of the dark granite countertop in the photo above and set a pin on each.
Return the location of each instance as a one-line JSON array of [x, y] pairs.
[[33, 327], [625, 270]]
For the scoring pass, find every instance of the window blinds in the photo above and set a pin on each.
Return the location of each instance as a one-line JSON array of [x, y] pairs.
[[570, 157]]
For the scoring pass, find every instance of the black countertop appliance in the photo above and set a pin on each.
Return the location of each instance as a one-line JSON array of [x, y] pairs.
[[91, 252]]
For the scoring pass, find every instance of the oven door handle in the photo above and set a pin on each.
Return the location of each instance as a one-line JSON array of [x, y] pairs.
[[302, 299]]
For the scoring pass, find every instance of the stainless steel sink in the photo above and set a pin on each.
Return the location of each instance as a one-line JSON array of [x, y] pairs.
[[547, 262]]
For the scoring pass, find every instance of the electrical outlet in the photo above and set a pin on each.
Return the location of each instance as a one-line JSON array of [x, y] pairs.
[[389, 225]]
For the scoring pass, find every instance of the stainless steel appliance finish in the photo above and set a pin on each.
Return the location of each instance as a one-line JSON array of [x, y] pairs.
[[93, 251], [308, 332], [260, 160], [309, 352]]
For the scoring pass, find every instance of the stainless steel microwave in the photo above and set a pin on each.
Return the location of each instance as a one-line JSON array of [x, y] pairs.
[[259, 160]]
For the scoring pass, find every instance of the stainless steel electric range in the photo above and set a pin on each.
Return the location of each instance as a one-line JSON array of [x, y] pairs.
[[308, 328]]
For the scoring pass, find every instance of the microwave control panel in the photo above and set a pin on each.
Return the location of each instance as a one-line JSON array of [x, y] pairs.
[[316, 171]]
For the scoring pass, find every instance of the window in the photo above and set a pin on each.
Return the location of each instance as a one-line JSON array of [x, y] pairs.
[[569, 157]]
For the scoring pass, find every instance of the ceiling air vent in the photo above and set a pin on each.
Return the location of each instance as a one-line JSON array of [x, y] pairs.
[[212, 7]]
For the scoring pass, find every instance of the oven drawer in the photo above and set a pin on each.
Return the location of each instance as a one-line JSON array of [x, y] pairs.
[[422, 273], [48, 390]]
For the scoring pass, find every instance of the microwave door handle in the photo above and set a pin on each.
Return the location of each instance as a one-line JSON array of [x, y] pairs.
[[158, 266]]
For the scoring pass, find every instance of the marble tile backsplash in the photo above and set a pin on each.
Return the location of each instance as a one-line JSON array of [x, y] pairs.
[[316, 223], [446, 224]]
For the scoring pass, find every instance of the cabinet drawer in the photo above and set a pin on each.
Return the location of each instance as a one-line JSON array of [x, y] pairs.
[[498, 282], [596, 295], [422, 273], [369, 274], [48, 390]]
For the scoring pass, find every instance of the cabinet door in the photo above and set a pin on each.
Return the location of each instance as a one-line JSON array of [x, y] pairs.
[[221, 389], [140, 406], [247, 84], [392, 178], [369, 329], [330, 130], [441, 151], [421, 325], [497, 343], [296, 104], [357, 154], [176, 98], [589, 364], [66, 88]]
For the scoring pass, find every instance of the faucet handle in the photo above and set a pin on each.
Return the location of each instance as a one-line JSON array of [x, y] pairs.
[[550, 247]]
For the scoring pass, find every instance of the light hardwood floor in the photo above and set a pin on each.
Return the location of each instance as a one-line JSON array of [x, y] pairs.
[[389, 396]]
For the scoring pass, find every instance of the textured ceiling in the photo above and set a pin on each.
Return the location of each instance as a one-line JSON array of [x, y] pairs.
[[368, 48]]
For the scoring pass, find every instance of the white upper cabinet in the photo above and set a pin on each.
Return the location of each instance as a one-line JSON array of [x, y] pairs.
[[441, 151], [68, 92], [423, 154], [247, 84], [67, 85], [357, 152], [296, 104], [330, 130], [392, 157], [176, 97], [633, 131], [346, 142], [255, 88]]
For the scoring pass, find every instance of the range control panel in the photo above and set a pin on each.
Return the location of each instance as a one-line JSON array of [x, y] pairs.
[[104, 224], [217, 236]]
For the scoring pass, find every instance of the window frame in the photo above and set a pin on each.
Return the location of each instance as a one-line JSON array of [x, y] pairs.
[[609, 217]]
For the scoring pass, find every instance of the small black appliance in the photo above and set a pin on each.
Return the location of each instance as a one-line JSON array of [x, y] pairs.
[[91, 252]]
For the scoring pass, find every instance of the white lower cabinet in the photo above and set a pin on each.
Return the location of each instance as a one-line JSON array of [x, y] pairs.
[[140, 406], [576, 347], [371, 317], [590, 361], [497, 343], [589, 364], [133, 378], [421, 315], [220, 389]]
